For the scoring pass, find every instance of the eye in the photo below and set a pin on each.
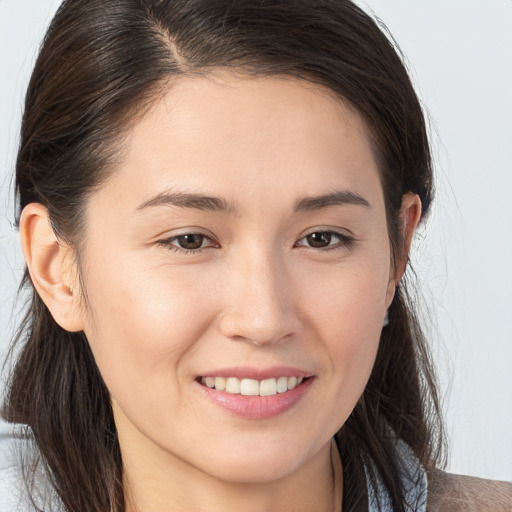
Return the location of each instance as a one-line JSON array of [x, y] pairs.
[[188, 242], [325, 240]]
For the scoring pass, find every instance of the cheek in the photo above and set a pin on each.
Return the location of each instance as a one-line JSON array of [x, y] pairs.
[[350, 300], [348, 316], [142, 322]]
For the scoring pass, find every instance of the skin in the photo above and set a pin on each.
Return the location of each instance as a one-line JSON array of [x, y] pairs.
[[257, 293]]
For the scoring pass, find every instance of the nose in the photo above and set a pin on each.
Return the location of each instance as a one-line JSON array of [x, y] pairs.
[[260, 307]]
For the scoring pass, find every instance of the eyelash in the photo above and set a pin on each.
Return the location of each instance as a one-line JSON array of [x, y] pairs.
[[345, 242], [169, 243]]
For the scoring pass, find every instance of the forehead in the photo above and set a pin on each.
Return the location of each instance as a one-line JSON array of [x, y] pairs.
[[224, 134]]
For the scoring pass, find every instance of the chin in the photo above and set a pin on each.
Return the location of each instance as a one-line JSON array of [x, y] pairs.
[[250, 473], [252, 466]]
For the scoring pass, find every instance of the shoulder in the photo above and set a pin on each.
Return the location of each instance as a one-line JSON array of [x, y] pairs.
[[10, 468], [457, 493], [23, 482]]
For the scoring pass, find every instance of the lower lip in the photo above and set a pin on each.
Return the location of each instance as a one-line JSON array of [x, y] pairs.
[[258, 407]]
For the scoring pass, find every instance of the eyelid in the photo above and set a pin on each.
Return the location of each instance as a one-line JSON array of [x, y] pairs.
[[188, 230], [346, 238], [328, 229], [167, 241]]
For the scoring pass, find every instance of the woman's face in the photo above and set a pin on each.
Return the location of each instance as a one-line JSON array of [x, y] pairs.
[[242, 239]]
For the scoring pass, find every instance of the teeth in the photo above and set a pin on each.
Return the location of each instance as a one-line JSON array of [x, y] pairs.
[[220, 383], [282, 384], [252, 387], [268, 387], [233, 386], [292, 382], [249, 387]]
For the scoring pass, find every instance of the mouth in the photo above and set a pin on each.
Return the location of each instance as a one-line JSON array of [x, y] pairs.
[[252, 387], [256, 394]]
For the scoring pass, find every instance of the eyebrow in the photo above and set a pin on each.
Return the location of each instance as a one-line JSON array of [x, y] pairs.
[[185, 200], [216, 204], [340, 197]]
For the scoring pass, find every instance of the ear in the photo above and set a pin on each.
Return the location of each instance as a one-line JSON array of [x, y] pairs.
[[410, 215], [52, 268]]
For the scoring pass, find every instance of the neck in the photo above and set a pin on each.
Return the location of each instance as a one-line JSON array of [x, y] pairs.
[[173, 485]]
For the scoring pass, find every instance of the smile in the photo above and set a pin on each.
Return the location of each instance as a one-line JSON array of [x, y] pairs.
[[252, 387]]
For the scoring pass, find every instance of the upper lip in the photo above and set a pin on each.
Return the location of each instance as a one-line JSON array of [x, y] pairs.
[[248, 372]]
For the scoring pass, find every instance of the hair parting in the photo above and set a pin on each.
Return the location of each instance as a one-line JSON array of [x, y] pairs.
[[101, 66]]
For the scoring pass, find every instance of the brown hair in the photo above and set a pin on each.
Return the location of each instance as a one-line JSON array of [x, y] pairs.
[[101, 64]]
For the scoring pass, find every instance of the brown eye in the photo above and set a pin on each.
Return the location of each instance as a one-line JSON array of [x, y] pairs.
[[190, 242], [327, 240], [320, 239]]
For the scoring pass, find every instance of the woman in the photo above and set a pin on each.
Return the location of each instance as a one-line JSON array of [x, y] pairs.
[[217, 202]]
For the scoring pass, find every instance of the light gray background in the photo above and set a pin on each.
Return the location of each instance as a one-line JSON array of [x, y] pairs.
[[460, 57]]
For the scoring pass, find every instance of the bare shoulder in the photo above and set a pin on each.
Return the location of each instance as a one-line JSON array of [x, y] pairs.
[[456, 493]]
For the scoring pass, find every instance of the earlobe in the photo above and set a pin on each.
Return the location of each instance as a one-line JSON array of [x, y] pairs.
[[51, 267]]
